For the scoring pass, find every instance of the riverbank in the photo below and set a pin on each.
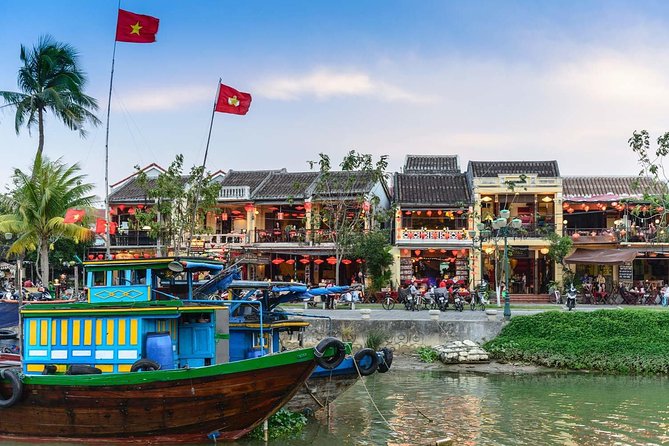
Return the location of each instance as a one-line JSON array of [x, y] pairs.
[[620, 341], [412, 362]]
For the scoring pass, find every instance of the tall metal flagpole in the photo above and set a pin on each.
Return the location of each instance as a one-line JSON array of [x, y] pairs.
[[111, 83], [204, 164]]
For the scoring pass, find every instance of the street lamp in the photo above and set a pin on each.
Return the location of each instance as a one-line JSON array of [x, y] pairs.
[[503, 227]]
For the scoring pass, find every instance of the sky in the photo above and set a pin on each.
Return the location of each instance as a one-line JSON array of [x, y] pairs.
[[484, 80]]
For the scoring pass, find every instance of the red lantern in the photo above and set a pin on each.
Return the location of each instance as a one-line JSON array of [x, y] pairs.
[[279, 215], [429, 213], [346, 261], [248, 207], [91, 256], [419, 212], [570, 210], [277, 261], [121, 207], [405, 252], [290, 261], [366, 206], [131, 211], [455, 252], [113, 256], [439, 212], [307, 206], [100, 256], [304, 261], [407, 213], [224, 216], [417, 252], [147, 255], [140, 206], [331, 260], [463, 251], [576, 236], [318, 261], [136, 256], [358, 260]]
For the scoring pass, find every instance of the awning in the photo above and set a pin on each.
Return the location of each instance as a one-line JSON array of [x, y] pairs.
[[601, 256]]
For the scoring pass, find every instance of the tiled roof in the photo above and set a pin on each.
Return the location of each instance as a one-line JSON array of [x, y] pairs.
[[285, 185], [615, 187], [431, 164], [250, 178], [131, 191], [340, 183], [410, 189], [494, 168]]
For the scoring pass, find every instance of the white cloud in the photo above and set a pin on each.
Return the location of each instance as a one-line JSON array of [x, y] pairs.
[[167, 98], [326, 83]]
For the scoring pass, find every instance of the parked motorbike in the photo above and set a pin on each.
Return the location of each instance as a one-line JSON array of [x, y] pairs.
[[409, 302], [441, 296], [459, 301], [571, 297]]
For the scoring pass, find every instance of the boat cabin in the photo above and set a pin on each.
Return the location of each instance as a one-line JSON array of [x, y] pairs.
[[135, 310]]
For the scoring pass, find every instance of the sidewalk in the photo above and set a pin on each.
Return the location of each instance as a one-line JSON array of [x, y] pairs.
[[449, 315]]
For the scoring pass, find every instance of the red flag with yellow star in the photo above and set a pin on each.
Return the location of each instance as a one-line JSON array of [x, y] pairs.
[[232, 101], [136, 28]]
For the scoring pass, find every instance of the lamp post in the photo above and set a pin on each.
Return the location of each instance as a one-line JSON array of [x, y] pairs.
[[503, 227]]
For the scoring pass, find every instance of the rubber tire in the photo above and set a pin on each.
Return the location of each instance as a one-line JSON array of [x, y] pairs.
[[144, 365], [81, 369], [17, 387], [333, 361], [387, 360], [373, 365], [8, 334]]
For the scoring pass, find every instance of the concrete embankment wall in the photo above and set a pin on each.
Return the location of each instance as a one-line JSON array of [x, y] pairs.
[[404, 335]]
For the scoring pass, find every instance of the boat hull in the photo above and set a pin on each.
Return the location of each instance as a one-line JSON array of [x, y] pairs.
[[225, 401], [319, 391]]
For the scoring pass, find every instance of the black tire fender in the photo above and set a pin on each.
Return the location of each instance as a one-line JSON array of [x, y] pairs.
[[17, 387], [144, 365], [384, 366], [331, 362], [82, 369], [364, 368]]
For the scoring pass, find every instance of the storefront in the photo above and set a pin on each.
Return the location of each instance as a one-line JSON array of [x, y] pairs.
[[431, 265], [530, 269]]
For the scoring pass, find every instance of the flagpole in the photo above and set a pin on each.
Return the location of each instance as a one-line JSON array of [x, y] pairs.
[[204, 164], [111, 83]]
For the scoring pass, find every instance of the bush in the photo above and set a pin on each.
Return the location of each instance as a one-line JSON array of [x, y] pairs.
[[427, 354], [283, 424], [376, 338], [618, 341]]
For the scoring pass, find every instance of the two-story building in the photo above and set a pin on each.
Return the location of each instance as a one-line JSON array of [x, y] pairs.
[[527, 194], [433, 206]]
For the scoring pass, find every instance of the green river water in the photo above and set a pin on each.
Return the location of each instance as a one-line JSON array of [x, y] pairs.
[[530, 409]]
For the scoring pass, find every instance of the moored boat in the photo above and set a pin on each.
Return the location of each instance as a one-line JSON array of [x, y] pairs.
[[137, 363]]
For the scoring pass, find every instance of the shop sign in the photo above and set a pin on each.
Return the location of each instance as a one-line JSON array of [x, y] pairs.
[[197, 245], [625, 271]]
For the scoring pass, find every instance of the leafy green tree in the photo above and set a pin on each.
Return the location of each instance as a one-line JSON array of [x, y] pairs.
[[346, 205], [50, 80], [36, 207], [374, 248], [170, 217]]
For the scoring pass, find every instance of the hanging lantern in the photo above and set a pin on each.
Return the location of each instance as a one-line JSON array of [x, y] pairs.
[[405, 252], [224, 216], [365, 206], [419, 212], [430, 250], [131, 211], [331, 260], [442, 251], [586, 208], [455, 252], [439, 212], [318, 261], [565, 205], [290, 261], [279, 215], [112, 211], [463, 251], [346, 261], [570, 210], [417, 252], [278, 261], [544, 250], [140, 206], [460, 211], [407, 213], [307, 206], [121, 207], [358, 260], [429, 213], [304, 261], [91, 256]]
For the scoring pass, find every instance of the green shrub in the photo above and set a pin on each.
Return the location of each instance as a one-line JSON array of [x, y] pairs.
[[619, 341], [427, 354], [283, 424], [376, 338]]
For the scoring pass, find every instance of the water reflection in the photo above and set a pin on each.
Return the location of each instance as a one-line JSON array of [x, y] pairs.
[[547, 409]]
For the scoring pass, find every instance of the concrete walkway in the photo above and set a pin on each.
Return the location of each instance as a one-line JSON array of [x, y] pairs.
[[449, 315]]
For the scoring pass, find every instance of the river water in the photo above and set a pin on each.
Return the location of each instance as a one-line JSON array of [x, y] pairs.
[[419, 407]]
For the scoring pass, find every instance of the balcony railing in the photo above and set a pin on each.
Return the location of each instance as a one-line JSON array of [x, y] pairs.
[[427, 235], [234, 193], [132, 238], [633, 234], [298, 235]]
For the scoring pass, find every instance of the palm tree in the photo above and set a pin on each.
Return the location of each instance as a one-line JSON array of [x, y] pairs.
[[51, 80], [37, 205]]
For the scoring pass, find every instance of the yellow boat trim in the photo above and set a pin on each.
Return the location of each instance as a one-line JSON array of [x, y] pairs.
[[106, 368], [124, 367]]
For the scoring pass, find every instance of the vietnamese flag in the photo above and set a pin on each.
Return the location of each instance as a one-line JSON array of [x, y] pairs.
[[232, 101], [74, 216], [136, 28]]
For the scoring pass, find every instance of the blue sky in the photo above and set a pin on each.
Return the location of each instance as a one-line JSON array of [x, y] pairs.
[[484, 80]]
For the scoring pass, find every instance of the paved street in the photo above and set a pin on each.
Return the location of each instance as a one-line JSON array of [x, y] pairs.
[[449, 315]]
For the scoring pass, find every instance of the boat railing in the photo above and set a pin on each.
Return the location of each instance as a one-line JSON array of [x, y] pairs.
[[313, 316], [228, 302]]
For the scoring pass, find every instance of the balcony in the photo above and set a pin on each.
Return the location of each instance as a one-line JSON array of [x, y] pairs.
[[582, 236], [296, 236], [218, 241], [234, 193], [132, 239], [432, 236]]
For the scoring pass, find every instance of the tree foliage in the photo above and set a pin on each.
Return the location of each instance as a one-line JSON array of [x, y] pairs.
[[50, 80], [37, 204], [170, 217], [346, 205], [374, 248]]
